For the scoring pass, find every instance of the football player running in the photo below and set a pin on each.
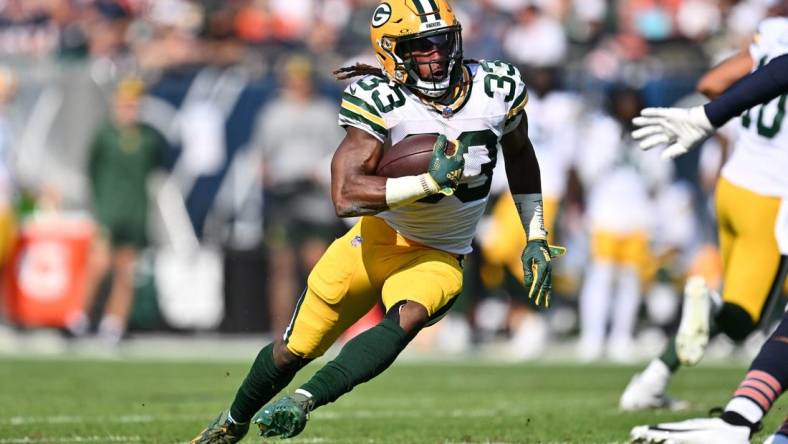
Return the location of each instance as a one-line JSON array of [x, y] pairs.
[[406, 250], [683, 130]]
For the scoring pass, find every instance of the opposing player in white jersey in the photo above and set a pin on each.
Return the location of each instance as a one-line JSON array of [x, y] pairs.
[[750, 195], [407, 248]]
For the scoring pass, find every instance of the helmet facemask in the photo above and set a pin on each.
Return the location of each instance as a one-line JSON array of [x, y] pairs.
[[431, 60]]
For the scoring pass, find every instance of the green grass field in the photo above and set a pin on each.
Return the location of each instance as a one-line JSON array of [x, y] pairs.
[[57, 401]]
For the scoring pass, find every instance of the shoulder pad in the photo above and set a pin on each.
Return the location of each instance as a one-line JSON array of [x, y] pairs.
[[363, 108], [503, 80]]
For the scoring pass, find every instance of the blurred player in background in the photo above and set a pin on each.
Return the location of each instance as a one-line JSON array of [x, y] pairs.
[[294, 134], [407, 248], [767, 378], [750, 196], [123, 154], [620, 182]]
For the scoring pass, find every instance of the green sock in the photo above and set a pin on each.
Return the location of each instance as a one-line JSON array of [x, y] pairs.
[[669, 356], [360, 360], [261, 384]]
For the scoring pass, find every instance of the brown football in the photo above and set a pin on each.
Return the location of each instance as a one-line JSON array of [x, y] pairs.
[[409, 157]]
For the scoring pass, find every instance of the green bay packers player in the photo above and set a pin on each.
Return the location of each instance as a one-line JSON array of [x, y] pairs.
[[406, 250], [750, 202]]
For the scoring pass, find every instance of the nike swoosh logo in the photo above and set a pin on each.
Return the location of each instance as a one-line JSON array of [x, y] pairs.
[[667, 429]]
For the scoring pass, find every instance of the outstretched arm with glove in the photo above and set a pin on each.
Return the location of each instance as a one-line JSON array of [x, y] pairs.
[[682, 129], [522, 172]]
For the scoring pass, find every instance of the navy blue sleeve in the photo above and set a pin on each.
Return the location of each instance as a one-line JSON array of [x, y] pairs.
[[755, 88]]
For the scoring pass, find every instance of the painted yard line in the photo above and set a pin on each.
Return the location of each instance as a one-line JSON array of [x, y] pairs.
[[376, 414], [123, 419], [301, 441], [324, 415], [71, 439]]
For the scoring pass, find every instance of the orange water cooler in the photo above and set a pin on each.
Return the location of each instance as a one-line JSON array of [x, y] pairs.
[[45, 279]]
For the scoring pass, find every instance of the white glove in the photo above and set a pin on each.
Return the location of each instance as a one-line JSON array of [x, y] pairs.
[[682, 129]]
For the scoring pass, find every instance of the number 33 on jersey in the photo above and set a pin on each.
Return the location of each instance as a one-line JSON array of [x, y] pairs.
[[491, 107]]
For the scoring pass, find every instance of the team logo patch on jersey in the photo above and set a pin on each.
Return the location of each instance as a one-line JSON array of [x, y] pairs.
[[356, 241], [381, 15]]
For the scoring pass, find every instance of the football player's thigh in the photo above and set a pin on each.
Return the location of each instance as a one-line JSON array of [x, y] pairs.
[[726, 205], [604, 246], [432, 278], [316, 324], [752, 263], [635, 251], [338, 294]]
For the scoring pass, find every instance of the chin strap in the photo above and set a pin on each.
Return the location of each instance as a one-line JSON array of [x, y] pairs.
[[453, 96]]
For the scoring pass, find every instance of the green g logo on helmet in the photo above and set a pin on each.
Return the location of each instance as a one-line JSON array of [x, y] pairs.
[[381, 15]]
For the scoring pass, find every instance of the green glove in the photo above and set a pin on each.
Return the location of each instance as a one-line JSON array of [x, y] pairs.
[[538, 268], [447, 164]]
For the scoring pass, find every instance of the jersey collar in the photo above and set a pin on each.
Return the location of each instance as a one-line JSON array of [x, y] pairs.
[[462, 92]]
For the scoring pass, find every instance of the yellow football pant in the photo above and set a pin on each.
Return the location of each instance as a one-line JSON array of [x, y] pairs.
[[370, 263], [750, 257], [630, 249], [7, 234]]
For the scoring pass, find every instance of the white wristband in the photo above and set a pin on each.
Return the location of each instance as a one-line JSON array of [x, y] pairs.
[[404, 190], [529, 206]]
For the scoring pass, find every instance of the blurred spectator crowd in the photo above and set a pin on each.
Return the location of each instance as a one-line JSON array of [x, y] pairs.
[[234, 104]]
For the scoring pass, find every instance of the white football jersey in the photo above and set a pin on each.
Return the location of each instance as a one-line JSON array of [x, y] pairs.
[[618, 176], [760, 160], [553, 131], [492, 107]]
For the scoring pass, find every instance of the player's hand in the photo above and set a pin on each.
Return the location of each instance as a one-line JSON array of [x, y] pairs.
[[447, 164], [680, 129], [538, 268]]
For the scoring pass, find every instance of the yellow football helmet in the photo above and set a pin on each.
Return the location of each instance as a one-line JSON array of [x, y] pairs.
[[400, 28]]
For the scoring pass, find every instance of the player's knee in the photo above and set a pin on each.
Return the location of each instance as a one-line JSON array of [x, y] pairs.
[[735, 322], [411, 316], [284, 359]]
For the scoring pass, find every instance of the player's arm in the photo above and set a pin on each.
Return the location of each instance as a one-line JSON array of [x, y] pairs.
[[683, 129], [761, 86], [522, 172], [357, 191], [725, 74], [522, 167]]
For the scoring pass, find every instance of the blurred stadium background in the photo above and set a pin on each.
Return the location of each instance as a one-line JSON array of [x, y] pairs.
[[233, 108], [234, 105]]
